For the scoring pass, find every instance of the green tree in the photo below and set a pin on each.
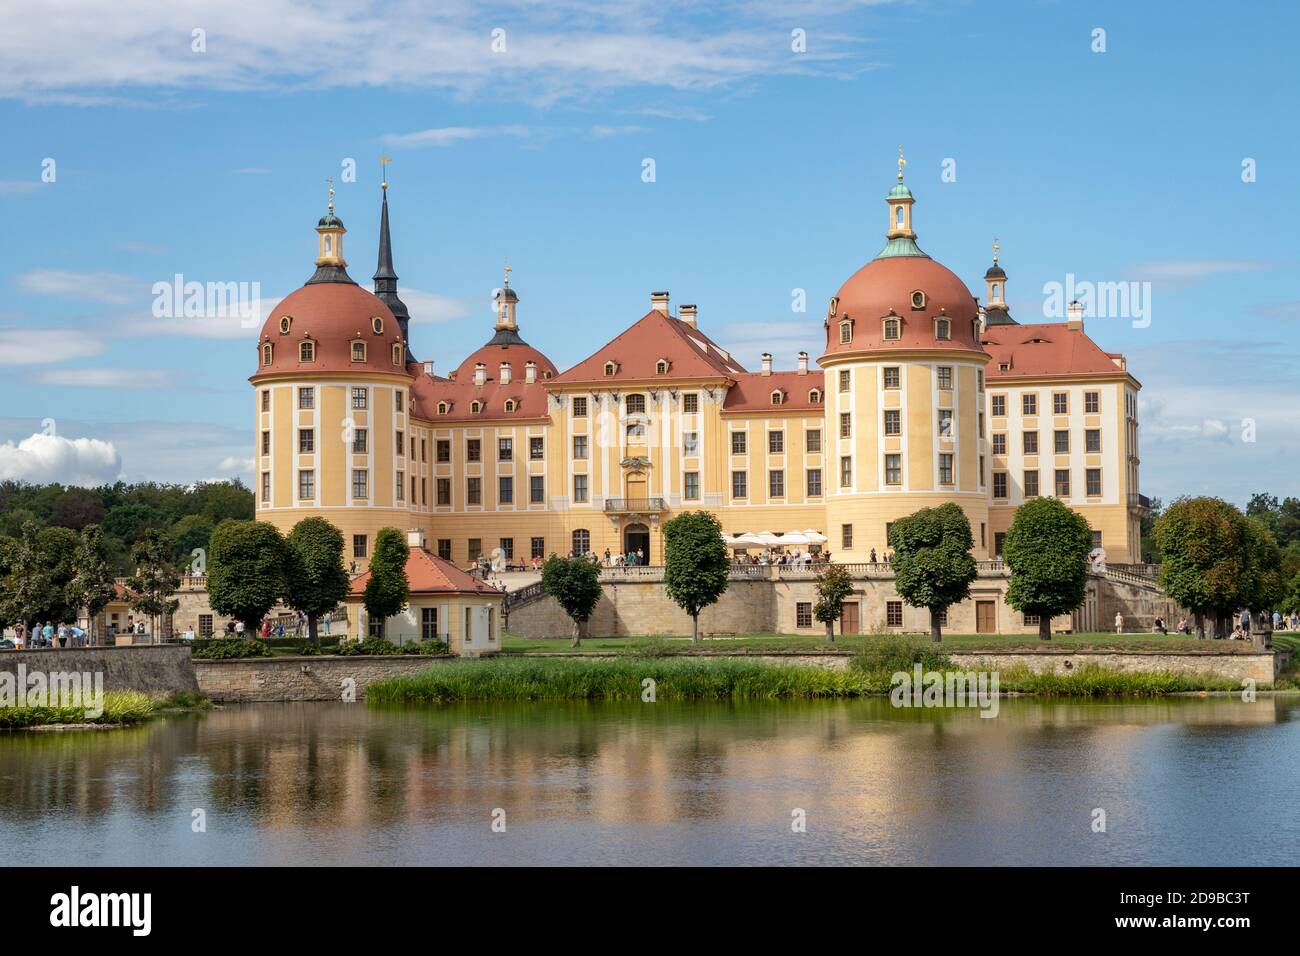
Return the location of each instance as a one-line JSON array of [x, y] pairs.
[[1200, 541], [91, 586], [696, 563], [834, 586], [1290, 601], [77, 508], [933, 564], [191, 533], [246, 573], [388, 589], [1047, 549], [1261, 585], [155, 579], [575, 585], [1148, 552], [314, 576]]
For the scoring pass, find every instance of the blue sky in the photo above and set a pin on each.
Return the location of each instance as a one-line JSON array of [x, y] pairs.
[[770, 170]]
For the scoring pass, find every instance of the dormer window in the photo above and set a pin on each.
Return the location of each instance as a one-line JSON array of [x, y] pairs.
[[610, 369], [662, 366], [814, 396], [397, 354], [511, 405], [377, 324], [918, 299], [475, 407], [893, 329], [286, 323], [1004, 366], [778, 397], [267, 353], [846, 332], [835, 305], [942, 330], [307, 351], [443, 408], [358, 351]]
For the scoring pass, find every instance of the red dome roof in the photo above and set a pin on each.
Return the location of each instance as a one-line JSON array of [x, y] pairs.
[[518, 354], [886, 285], [332, 315]]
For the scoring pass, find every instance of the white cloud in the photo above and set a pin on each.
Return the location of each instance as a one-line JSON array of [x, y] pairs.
[[231, 463], [15, 187], [427, 308], [45, 346], [1184, 272], [108, 377], [41, 459], [108, 287], [451, 135]]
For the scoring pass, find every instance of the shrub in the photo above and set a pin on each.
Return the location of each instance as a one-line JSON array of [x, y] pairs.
[[226, 648], [371, 646], [886, 655]]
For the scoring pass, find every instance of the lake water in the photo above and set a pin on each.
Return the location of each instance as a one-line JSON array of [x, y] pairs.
[[1183, 781]]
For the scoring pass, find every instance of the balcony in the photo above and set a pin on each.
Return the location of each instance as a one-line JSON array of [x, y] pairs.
[[1139, 503], [639, 506]]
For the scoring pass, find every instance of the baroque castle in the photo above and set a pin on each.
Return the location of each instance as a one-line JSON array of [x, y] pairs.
[[921, 397]]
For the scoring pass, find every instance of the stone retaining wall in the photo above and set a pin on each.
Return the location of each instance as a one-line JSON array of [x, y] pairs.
[[151, 668], [265, 679]]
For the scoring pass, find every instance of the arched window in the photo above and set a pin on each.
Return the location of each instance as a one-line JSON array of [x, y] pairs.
[[846, 332], [581, 541], [397, 355], [377, 324], [267, 353], [510, 405], [918, 299], [893, 329], [636, 404], [942, 330], [610, 369], [442, 408], [358, 351], [835, 305], [475, 407], [901, 215], [997, 289], [286, 323], [778, 397], [307, 351], [661, 367], [815, 396]]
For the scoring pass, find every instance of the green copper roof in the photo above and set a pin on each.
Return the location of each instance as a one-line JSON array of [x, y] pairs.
[[901, 247], [900, 192]]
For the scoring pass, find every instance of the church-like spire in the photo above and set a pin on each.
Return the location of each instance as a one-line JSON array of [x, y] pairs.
[[385, 277]]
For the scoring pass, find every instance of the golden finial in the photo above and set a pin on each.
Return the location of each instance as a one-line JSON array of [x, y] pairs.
[[508, 270], [996, 249], [330, 181], [901, 163], [383, 167]]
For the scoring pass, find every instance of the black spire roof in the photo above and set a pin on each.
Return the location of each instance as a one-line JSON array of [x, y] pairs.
[[386, 280]]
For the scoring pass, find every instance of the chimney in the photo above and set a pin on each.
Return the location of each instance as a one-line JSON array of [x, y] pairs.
[[505, 373], [415, 538], [1075, 312], [428, 366], [530, 372], [480, 373], [767, 363], [659, 302], [803, 363], [687, 314]]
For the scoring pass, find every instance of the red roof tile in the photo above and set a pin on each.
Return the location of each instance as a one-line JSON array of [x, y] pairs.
[[638, 349], [753, 392], [1043, 349], [429, 574]]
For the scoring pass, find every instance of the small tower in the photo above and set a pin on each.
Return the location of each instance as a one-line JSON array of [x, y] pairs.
[[330, 264], [900, 238], [507, 326], [995, 283], [385, 278]]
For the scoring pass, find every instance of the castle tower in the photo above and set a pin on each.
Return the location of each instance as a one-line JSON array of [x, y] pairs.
[[385, 278], [995, 282]]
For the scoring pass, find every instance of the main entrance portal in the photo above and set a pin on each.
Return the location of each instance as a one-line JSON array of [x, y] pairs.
[[636, 540]]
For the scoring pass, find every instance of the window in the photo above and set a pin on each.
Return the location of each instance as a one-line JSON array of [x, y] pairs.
[[444, 548], [266, 486], [307, 351], [397, 400], [267, 353], [1061, 442], [738, 443], [1062, 483], [581, 541], [428, 624], [580, 488], [377, 324], [661, 367], [536, 489], [536, 449], [507, 546], [1092, 439], [579, 407], [844, 380], [893, 329], [1096, 539], [359, 441], [1000, 443], [1029, 404], [979, 377], [803, 614], [397, 354], [999, 484], [846, 536], [475, 548], [846, 425], [443, 408], [690, 443], [893, 469], [690, 403], [891, 376], [424, 491], [307, 483], [1060, 403], [942, 330], [893, 421], [739, 484], [814, 396], [610, 369], [473, 449], [473, 491], [475, 407], [981, 470], [401, 487], [945, 423], [266, 443], [506, 490], [846, 471], [360, 483], [442, 450], [636, 404], [945, 469], [814, 482], [894, 613], [999, 405], [775, 443], [691, 488], [776, 483], [442, 491], [1092, 402], [1092, 478], [778, 397], [205, 625], [505, 449], [1031, 484], [399, 442], [999, 539], [579, 446], [360, 398], [918, 299], [944, 373], [846, 333], [1031, 443], [306, 441], [358, 546], [358, 351], [813, 441]]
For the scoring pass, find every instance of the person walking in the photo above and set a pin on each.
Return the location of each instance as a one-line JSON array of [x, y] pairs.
[[1245, 621], [1119, 623]]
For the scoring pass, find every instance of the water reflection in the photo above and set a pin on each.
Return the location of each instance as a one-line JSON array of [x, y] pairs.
[[1182, 780]]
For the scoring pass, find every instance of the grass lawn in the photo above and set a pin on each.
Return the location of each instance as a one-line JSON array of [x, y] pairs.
[[768, 643]]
